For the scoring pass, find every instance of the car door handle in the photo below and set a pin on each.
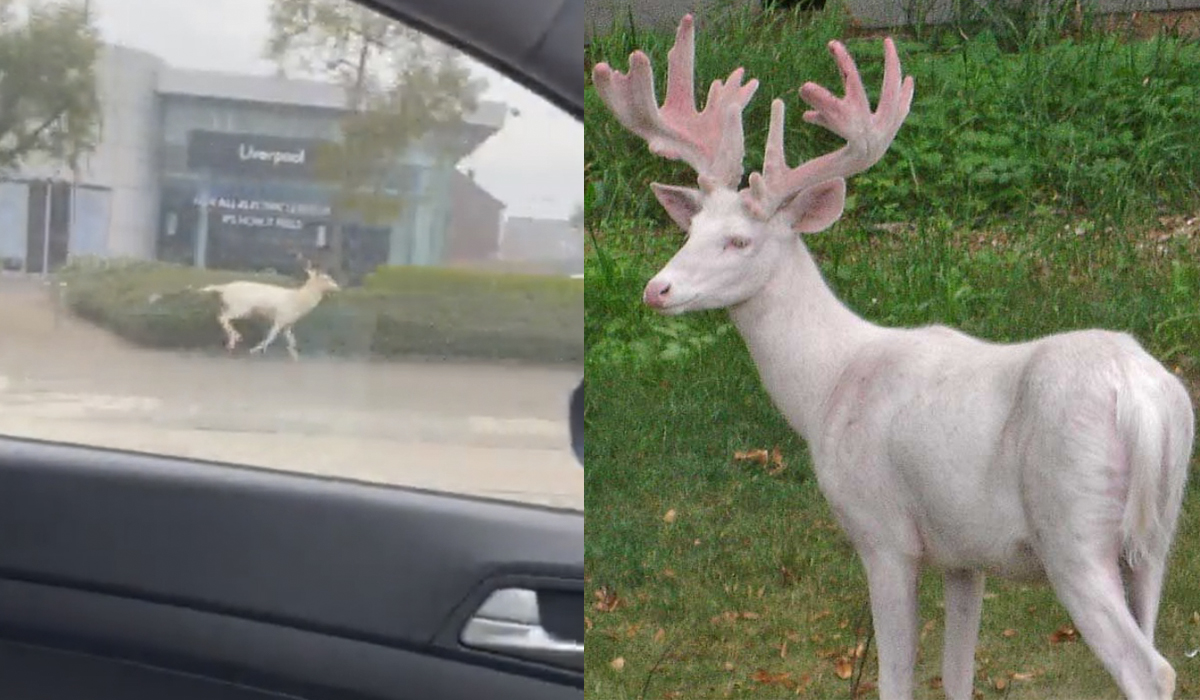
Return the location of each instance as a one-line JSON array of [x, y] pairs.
[[509, 623]]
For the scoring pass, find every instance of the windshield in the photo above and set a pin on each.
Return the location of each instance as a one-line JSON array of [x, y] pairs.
[[292, 235]]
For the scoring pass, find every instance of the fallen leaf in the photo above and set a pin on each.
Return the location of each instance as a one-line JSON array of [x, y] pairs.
[[777, 462], [1022, 676], [587, 624], [670, 516], [1066, 633], [935, 682], [1196, 618], [618, 664], [1009, 633], [606, 600], [819, 616], [660, 634], [759, 456], [728, 665], [750, 615], [843, 667], [859, 650], [1000, 684], [783, 650], [764, 676], [668, 573]]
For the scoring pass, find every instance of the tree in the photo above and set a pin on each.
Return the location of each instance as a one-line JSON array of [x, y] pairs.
[[401, 88], [49, 103]]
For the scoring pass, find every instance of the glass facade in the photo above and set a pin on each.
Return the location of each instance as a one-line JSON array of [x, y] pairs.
[[220, 214]]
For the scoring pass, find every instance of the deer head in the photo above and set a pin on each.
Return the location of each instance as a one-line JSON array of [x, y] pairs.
[[737, 237]]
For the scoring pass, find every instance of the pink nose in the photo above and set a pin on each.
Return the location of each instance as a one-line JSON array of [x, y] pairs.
[[656, 292]]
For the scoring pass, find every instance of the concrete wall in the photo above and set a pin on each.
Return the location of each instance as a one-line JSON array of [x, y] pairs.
[[665, 14], [892, 13], [600, 15], [126, 161]]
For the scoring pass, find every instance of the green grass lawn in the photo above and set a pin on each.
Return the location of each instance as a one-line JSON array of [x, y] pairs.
[[714, 577]]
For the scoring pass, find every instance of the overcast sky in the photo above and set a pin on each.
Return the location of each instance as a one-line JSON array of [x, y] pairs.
[[534, 164]]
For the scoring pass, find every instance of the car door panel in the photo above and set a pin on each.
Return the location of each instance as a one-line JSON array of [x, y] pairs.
[[128, 549]]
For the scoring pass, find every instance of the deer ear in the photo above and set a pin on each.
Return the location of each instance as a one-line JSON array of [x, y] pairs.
[[681, 203], [816, 208]]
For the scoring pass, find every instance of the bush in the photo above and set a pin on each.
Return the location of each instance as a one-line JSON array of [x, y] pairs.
[[398, 312], [1094, 124]]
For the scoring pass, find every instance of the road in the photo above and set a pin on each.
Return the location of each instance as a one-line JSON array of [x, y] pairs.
[[484, 429]]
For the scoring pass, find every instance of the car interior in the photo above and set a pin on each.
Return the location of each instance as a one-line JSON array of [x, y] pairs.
[[126, 576]]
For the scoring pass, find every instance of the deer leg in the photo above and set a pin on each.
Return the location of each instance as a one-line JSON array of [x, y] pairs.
[[275, 328], [231, 335], [892, 582], [291, 343], [1088, 583], [1145, 584], [964, 603]]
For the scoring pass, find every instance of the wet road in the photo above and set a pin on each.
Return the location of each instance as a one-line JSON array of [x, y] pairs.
[[486, 429]]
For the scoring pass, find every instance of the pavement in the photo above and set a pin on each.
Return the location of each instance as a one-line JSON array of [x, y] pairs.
[[486, 429]]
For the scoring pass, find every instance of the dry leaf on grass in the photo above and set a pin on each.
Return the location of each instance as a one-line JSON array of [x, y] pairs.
[[1066, 633], [660, 634], [606, 600], [999, 684], [618, 664], [767, 678], [843, 667], [1009, 633], [777, 464], [1022, 676], [757, 456], [772, 460], [670, 516]]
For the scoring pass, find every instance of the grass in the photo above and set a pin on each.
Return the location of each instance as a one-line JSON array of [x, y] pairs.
[[714, 577]]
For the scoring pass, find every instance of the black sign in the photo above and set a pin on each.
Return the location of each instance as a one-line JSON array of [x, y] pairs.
[[259, 213], [253, 155]]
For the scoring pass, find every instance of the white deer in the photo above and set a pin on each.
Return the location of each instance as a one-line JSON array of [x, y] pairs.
[[1060, 459], [280, 305]]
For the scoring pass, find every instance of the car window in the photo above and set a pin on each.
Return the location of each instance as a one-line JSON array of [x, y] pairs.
[[288, 234]]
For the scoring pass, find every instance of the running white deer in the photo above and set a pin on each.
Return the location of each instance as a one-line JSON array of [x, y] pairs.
[[1060, 459], [280, 305]]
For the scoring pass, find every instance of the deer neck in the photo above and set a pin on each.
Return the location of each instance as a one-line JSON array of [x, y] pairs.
[[801, 337], [310, 295]]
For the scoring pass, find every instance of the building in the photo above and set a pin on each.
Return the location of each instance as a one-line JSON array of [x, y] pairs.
[[218, 169], [547, 245], [474, 234]]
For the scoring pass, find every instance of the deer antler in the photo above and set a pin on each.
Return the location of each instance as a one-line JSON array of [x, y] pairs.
[[711, 142], [867, 134]]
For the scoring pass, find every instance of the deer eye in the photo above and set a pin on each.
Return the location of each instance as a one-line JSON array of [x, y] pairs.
[[737, 242]]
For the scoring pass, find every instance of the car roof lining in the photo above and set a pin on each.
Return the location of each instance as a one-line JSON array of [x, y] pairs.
[[537, 43]]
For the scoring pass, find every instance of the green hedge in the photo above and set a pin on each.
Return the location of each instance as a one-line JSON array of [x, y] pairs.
[[398, 312]]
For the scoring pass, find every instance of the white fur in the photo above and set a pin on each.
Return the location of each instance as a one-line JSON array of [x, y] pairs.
[[1062, 458], [282, 306]]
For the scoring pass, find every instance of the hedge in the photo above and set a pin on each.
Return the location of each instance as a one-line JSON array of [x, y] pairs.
[[398, 312]]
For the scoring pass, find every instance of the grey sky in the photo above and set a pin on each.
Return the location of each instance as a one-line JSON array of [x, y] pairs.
[[534, 164]]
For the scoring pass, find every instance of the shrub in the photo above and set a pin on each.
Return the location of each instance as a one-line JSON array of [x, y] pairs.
[[398, 312]]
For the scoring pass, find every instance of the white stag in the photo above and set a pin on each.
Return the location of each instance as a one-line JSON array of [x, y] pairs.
[[1060, 459], [280, 305]]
